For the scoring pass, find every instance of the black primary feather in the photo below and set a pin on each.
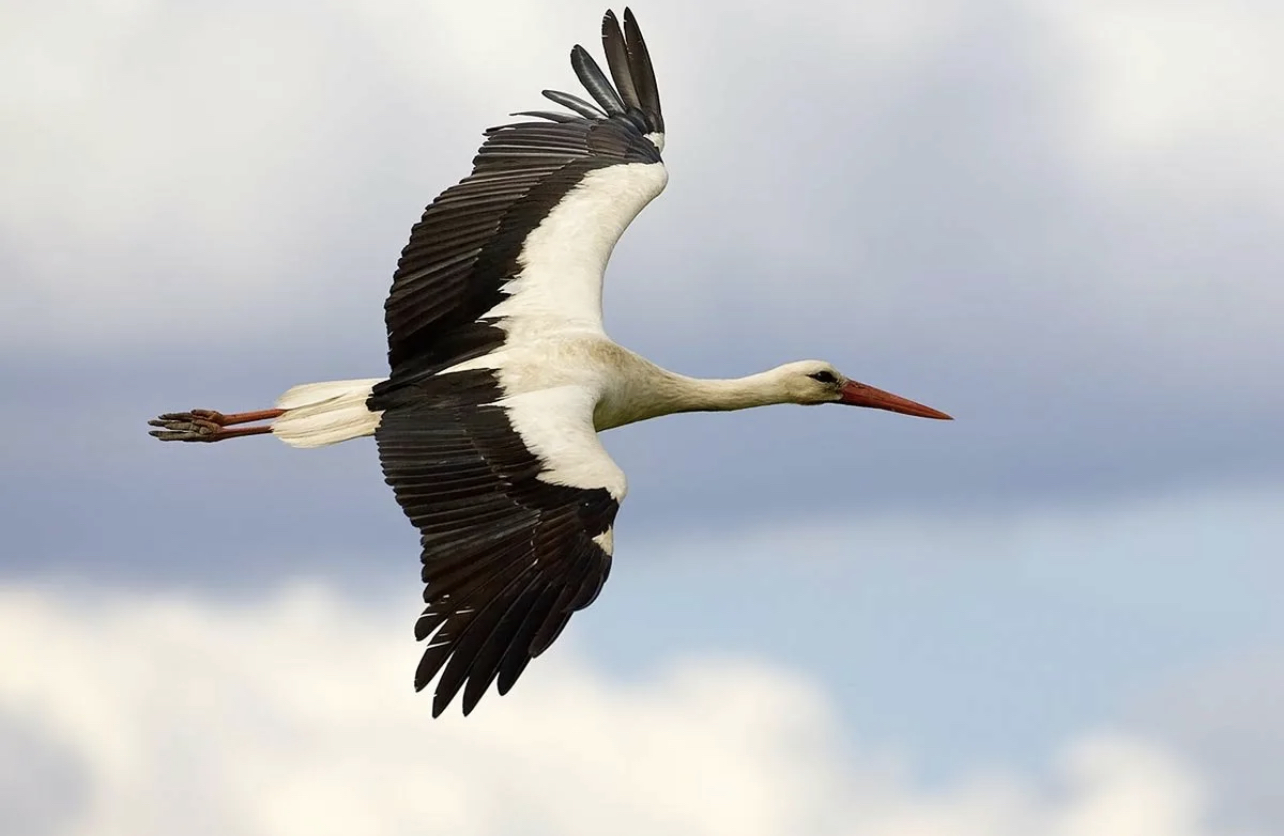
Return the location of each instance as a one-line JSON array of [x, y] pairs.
[[575, 103], [617, 60], [550, 115], [594, 81], [642, 73]]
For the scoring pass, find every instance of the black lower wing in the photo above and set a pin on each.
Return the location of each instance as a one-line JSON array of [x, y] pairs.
[[507, 557]]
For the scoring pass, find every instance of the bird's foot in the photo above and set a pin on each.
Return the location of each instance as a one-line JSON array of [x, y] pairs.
[[197, 425], [208, 425]]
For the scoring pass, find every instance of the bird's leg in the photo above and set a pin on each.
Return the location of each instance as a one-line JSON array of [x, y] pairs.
[[208, 425]]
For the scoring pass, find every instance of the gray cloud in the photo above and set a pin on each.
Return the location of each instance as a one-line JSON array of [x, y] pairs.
[[1226, 718], [946, 203], [44, 784]]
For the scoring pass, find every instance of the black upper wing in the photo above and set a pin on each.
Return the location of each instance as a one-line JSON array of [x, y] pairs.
[[465, 248]]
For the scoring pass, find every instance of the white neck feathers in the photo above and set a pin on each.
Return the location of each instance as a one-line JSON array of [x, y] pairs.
[[690, 394], [651, 392]]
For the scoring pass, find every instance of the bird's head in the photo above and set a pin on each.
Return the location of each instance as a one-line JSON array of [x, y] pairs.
[[811, 382]]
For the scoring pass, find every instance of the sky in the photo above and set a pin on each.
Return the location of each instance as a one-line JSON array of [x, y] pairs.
[[1057, 614]]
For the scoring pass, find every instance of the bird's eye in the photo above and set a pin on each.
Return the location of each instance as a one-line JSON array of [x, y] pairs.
[[823, 377]]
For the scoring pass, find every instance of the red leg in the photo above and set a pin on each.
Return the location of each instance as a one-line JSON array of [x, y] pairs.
[[208, 425], [237, 417]]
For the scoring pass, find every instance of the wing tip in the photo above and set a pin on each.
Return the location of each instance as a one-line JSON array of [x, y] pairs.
[[631, 89], [642, 72], [611, 24], [596, 82]]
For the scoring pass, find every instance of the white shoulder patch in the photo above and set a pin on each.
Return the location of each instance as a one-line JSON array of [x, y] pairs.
[[557, 426], [563, 259]]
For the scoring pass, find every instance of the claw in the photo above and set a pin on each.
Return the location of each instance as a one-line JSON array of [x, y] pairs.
[[186, 426], [165, 435]]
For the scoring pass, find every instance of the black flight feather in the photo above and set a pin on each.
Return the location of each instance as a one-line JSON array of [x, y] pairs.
[[575, 103], [595, 81], [617, 60], [550, 115], [642, 73]]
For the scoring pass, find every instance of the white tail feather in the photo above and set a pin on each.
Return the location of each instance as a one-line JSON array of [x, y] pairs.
[[317, 414]]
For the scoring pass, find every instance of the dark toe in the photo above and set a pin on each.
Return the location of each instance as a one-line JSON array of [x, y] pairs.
[[183, 426]]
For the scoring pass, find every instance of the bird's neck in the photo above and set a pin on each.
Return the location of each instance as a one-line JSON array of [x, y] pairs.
[[693, 394], [661, 392]]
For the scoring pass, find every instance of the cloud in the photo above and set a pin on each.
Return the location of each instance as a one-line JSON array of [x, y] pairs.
[[1166, 85], [1226, 716], [42, 781], [168, 177], [190, 170], [292, 714], [945, 200], [244, 169]]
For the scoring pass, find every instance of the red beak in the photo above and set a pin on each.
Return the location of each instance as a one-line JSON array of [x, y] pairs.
[[858, 394]]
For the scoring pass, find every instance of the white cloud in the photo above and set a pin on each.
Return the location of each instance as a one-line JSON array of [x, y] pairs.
[[161, 160], [1183, 93], [293, 714], [1226, 716], [182, 167]]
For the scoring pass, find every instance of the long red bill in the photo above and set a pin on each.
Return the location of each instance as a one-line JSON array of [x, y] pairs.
[[859, 394]]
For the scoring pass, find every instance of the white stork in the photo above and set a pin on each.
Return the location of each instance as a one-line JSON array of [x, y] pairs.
[[502, 376]]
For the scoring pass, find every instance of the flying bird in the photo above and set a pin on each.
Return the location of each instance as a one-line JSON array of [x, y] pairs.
[[502, 376]]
